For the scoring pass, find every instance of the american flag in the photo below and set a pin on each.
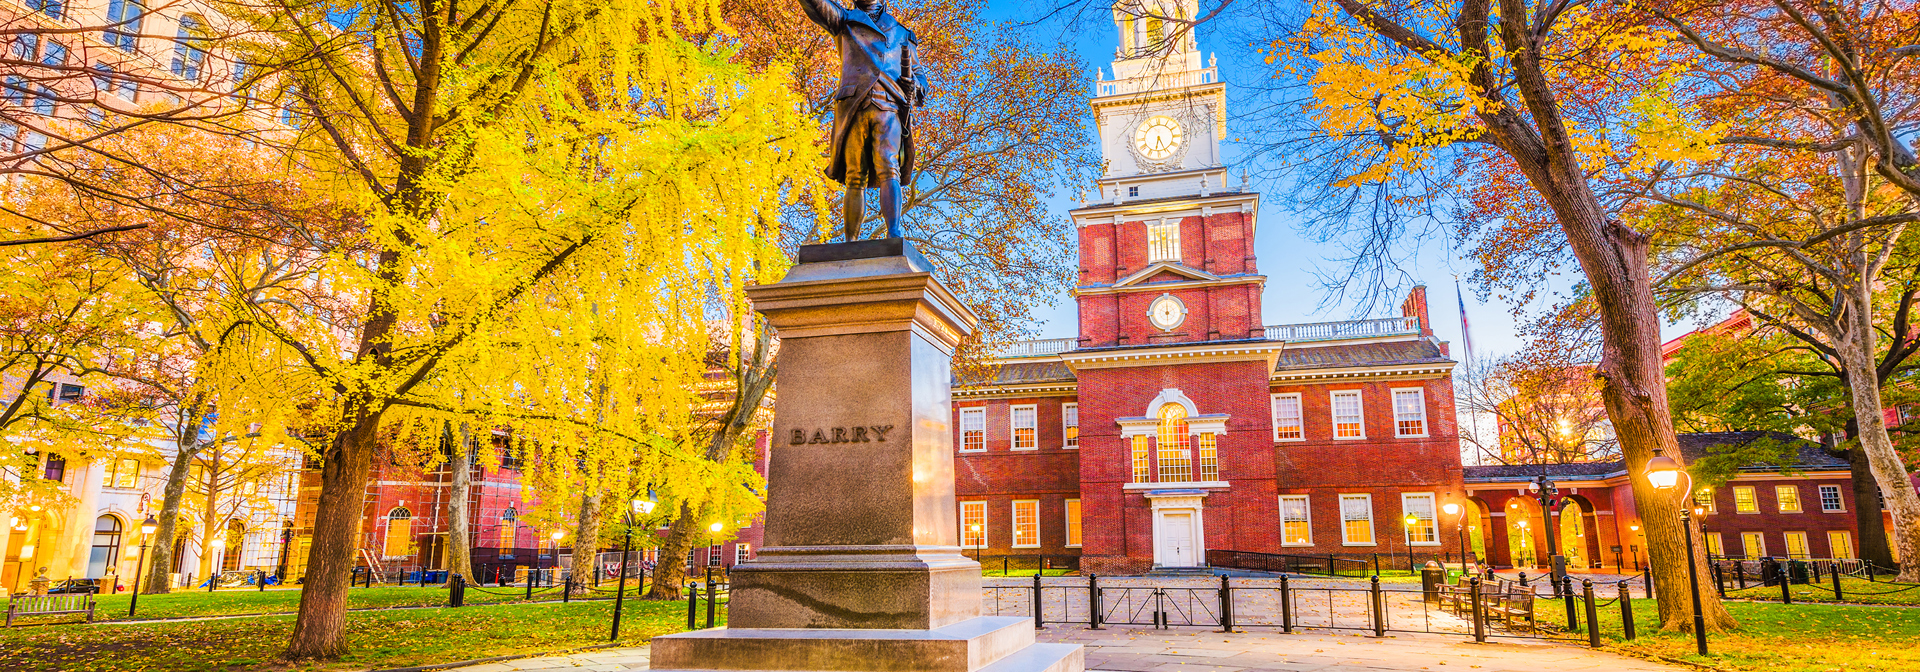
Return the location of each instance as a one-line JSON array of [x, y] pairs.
[[1466, 334]]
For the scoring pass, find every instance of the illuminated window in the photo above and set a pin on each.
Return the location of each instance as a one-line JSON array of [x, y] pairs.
[[1209, 457], [1026, 433], [1409, 412], [1830, 499], [1026, 524], [1348, 422], [1174, 444], [1796, 545], [1286, 417], [1714, 545], [1788, 497], [973, 429], [1163, 241], [1073, 522], [1296, 521], [1070, 425], [1703, 498], [1142, 470], [713, 555], [1425, 531], [973, 524], [1744, 501], [1840, 545], [741, 553], [1753, 544], [122, 473], [1356, 517], [399, 532], [508, 524]]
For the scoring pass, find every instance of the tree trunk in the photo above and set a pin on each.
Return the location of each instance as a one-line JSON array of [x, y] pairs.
[[207, 517], [671, 570], [586, 543], [319, 631], [160, 547], [1856, 348], [1866, 507], [459, 532]]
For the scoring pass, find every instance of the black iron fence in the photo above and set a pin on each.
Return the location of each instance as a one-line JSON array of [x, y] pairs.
[[1330, 564], [1011, 563], [1823, 579]]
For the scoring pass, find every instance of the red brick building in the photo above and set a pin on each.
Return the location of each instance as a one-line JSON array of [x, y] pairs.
[[1177, 422], [1802, 510]]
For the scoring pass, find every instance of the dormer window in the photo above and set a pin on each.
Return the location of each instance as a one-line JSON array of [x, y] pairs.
[[1163, 241]]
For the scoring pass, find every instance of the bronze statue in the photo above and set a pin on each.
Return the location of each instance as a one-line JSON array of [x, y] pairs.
[[880, 84]]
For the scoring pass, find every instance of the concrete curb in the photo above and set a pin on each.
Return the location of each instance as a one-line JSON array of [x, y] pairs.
[[495, 659]]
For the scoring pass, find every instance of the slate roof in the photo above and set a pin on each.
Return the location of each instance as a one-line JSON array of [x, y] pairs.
[[1024, 373], [1415, 351], [1693, 446]]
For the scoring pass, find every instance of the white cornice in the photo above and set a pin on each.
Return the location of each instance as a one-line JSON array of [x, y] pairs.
[[1408, 371], [1158, 286], [1180, 353], [1011, 391], [1189, 206]]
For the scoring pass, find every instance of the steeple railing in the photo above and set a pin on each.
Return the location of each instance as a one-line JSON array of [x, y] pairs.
[[1407, 325]]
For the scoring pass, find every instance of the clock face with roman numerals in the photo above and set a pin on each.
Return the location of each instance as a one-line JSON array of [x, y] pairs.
[[1158, 137]]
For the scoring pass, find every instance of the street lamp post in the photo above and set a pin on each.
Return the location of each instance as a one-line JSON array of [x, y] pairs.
[[1635, 528], [640, 507], [1665, 474], [1545, 492], [1411, 520], [713, 543], [219, 560], [140, 566], [976, 549], [557, 534], [1459, 531]]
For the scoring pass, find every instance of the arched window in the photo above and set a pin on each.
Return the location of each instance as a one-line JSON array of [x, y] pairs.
[[190, 48], [399, 532], [508, 523], [1174, 445], [106, 546]]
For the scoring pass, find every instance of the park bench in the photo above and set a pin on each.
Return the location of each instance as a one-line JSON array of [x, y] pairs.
[[47, 605], [1510, 604]]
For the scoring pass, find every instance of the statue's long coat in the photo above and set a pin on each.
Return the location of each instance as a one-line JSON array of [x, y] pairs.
[[871, 51]]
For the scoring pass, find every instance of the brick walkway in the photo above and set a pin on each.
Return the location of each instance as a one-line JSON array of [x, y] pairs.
[[1196, 650]]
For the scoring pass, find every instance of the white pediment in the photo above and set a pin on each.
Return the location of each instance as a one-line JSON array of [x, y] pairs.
[[1141, 276]]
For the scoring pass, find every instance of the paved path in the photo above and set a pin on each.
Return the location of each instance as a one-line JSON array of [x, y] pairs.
[[1197, 650]]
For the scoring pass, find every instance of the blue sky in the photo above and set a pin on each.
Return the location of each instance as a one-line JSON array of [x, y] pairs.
[[1286, 257]]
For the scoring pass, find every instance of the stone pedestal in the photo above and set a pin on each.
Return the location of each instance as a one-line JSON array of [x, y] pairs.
[[861, 567]]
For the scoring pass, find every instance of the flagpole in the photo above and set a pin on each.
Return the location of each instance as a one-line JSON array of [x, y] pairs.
[[1466, 335]]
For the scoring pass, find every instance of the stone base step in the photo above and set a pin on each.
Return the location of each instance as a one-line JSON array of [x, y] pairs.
[[1043, 658], [967, 646]]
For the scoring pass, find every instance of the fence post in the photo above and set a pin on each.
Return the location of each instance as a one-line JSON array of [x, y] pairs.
[[693, 607], [1740, 572], [1330, 570], [1523, 580], [1376, 565], [1226, 605], [1593, 615], [1160, 608], [1566, 592], [712, 597], [1837, 595], [1093, 601], [1037, 622], [1005, 569], [1377, 605], [1286, 606], [1786, 583], [1720, 579], [566, 590], [1646, 582], [1626, 610], [1479, 620]]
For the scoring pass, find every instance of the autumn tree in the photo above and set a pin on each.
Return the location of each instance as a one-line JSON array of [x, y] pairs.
[[1547, 412]]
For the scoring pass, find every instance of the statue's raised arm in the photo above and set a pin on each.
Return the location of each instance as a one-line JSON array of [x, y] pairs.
[[880, 83]]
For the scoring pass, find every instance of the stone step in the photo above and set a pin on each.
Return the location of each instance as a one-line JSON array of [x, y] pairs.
[[966, 646], [1043, 658]]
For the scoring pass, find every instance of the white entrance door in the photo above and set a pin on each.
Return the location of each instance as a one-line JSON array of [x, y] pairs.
[[1176, 539]]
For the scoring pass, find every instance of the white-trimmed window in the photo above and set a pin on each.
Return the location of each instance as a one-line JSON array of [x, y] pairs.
[[1409, 412], [1163, 241], [973, 429], [1026, 427], [1425, 530], [399, 539], [1840, 545], [1349, 422], [741, 553], [1142, 469], [1744, 501], [1073, 523], [1703, 498], [1788, 498], [1830, 501], [1296, 521], [1026, 523], [1356, 520], [1286, 418], [713, 555], [1715, 546], [973, 524], [1209, 457], [1175, 445], [122, 473], [1796, 545], [1070, 426], [1753, 544]]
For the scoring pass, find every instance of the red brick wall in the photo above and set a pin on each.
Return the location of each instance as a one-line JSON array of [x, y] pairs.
[[1218, 244]]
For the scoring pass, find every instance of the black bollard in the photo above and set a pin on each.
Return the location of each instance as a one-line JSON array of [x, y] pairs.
[[693, 603], [1226, 605], [1786, 584], [1036, 601], [529, 583], [1626, 610], [1593, 615], [456, 591], [712, 597], [1286, 606], [1566, 593], [1479, 617], [1377, 604], [1646, 582], [1093, 601], [1837, 595]]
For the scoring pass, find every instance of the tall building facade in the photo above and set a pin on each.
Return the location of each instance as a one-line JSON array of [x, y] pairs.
[[1178, 422]]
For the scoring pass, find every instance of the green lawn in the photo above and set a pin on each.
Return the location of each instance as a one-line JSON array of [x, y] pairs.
[[1027, 572], [1775, 637], [1855, 590], [378, 639], [236, 602]]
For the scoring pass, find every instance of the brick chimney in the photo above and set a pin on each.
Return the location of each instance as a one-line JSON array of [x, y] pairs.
[[1415, 305]]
